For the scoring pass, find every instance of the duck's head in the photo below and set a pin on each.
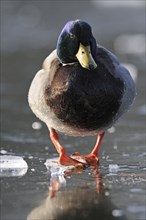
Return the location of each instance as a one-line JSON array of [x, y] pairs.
[[77, 44]]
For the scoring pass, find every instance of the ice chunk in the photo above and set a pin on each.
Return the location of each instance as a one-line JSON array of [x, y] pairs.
[[113, 168], [12, 166], [117, 212], [3, 151], [55, 168], [111, 130], [36, 125], [57, 171]]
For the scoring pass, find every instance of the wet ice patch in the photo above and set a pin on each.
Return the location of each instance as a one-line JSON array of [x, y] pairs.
[[12, 166]]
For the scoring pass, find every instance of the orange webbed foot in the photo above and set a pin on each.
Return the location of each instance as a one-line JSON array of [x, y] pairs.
[[65, 160], [91, 159]]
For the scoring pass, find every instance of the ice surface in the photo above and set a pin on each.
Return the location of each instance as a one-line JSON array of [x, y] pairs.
[[117, 212], [36, 125], [55, 168], [3, 152], [111, 130], [136, 190], [141, 110], [57, 171], [113, 168], [12, 166], [136, 208]]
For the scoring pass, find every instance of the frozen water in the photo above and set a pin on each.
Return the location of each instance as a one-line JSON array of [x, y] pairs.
[[113, 168], [12, 162], [20, 195], [111, 130], [12, 166], [55, 168], [135, 208], [57, 171], [141, 110], [117, 213], [136, 190], [36, 125], [32, 169], [3, 151], [107, 193]]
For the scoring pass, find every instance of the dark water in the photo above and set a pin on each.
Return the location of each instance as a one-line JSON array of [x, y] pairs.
[[116, 190]]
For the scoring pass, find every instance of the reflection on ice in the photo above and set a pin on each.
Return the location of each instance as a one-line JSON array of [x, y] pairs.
[[12, 166], [78, 203]]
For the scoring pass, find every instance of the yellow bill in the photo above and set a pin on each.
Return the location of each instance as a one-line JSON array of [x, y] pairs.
[[85, 58]]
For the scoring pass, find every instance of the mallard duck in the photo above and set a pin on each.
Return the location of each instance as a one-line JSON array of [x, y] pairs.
[[81, 90]]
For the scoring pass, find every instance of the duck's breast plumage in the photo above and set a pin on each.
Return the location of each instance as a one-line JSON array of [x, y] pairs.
[[85, 99], [76, 101]]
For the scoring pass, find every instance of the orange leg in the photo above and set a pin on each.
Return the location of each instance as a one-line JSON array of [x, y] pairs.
[[64, 159], [92, 158]]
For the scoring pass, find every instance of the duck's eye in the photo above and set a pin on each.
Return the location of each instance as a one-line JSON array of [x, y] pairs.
[[83, 52], [72, 35]]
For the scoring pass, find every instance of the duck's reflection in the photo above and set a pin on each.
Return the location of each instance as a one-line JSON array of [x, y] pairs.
[[76, 203]]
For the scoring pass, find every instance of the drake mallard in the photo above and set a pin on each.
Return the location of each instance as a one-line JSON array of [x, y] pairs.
[[81, 90]]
